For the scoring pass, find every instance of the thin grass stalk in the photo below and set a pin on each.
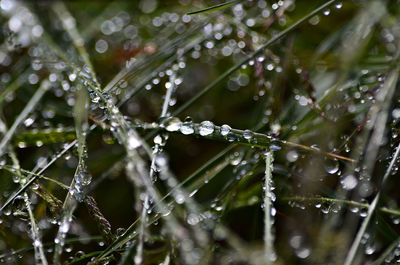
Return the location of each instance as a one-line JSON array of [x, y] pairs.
[[348, 203], [269, 252], [215, 7]]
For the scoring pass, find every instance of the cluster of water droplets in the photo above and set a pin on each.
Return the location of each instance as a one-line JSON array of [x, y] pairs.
[[394, 256], [269, 209], [332, 206], [82, 181]]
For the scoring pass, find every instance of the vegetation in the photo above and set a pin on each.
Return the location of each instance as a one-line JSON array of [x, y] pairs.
[[199, 132]]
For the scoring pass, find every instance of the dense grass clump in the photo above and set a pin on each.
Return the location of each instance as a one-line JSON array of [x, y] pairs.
[[199, 132]]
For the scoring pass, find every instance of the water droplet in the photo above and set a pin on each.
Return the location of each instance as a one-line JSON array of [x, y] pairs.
[[225, 129], [187, 127], [325, 208], [247, 134], [274, 147], [160, 160], [303, 252], [193, 219], [96, 99], [339, 5], [72, 77], [327, 12], [15, 178], [64, 227], [29, 121], [206, 128], [331, 166], [292, 156], [369, 250], [314, 20], [21, 144], [158, 139], [363, 212], [68, 248], [133, 141], [173, 124], [179, 198], [349, 182], [37, 243]]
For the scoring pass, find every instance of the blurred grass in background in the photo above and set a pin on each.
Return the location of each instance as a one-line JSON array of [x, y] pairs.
[[327, 87]]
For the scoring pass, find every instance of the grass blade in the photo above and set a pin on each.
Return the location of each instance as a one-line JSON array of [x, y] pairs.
[[215, 7]]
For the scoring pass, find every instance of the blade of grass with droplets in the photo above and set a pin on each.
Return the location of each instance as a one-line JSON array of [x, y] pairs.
[[274, 39], [215, 7], [40, 257], [340, 202], [269, 251], [70, 203], [256, 140]]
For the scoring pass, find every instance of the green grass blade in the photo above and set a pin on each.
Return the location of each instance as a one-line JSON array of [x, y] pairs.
[[215, 7]]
